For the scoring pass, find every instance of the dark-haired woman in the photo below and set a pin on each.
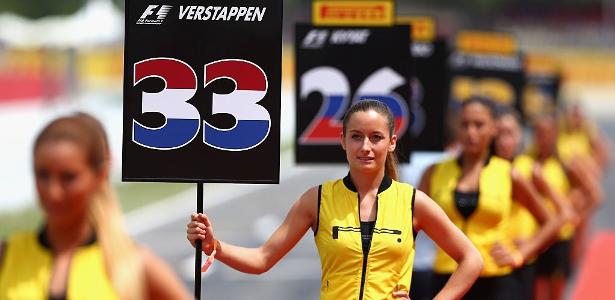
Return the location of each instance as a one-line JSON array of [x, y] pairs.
[[585, 152], [476, 191], [364, 224], [523, 225], [554, 266]]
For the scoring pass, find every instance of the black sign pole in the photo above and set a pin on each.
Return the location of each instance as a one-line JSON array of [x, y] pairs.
[[198, 245]]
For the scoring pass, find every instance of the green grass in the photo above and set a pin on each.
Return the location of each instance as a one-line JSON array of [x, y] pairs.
[[132, 196], [135, 195], [25, 219]]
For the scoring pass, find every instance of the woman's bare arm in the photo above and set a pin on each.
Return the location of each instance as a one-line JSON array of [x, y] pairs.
[[161, 282], [584, 179], [602, 147], [424, 184], [563, 205], [430, 218], [300, 218], [526, 195]]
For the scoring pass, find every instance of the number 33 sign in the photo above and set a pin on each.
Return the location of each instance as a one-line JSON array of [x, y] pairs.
[[182, 118], [204, 107]]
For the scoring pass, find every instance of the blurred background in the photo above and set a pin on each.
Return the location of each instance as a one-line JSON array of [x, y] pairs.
[[58, 56]]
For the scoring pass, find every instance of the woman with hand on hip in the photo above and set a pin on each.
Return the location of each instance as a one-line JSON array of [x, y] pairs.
[[523, 225], [363, 224], [554, 266], [476, 190]]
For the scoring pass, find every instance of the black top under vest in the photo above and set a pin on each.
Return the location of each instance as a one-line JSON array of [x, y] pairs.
[[467, 202], [367, 231]]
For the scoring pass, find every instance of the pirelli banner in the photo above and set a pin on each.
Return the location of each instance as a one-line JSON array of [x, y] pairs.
[[336, 66], [429, 85], [541, 91], [486, 64], [353, 12], [202, 91]]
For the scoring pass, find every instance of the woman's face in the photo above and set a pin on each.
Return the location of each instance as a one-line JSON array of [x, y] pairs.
[[367, 141], [576, 117], [545, 136], [476, 128], [65, 182], [509, 137]]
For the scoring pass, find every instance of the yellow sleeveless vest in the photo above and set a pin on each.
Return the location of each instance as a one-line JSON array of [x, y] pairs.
[[522, 223], [489, 222], [553, 172], [346, 273], [26, 271], [572, 143]]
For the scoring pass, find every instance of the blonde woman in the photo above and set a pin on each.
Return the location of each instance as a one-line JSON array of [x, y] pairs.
[[82, 250]]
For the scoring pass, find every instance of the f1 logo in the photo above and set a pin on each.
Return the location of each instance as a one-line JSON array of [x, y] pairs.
[[315, 38], [162, 13], [148, 11]]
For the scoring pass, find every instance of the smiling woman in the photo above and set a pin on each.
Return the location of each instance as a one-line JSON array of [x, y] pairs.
[[364, 224]]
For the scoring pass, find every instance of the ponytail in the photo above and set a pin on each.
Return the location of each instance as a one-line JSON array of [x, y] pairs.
[[390, 166], [123, 263]]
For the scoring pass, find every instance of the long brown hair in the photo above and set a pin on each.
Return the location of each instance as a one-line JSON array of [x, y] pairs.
[[381, 108], [122, 262]]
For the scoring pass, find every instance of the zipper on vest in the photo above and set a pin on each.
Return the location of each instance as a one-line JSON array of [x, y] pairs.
[[365, 256], [363, 271]]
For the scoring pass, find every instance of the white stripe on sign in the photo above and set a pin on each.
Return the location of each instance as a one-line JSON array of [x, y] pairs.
[[171, 102], [241, 104]]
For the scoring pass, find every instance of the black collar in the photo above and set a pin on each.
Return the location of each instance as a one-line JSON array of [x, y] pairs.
[[44, 242], [384, 184]]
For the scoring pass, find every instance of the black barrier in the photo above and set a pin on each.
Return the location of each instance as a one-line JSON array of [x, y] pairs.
[[339, 65], [500, 78], [541, 92], [497, 77], [202, 91], [429, 94]]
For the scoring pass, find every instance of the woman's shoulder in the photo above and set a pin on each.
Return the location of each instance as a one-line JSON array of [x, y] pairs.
[[311, 194], [524, 158], [21, 237], [19, 241], [497, 161], [445, 163]]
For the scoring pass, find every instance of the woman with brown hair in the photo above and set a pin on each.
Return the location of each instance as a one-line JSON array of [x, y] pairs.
[[541, 172], [476, 190], [363, 224], [82, 251]]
